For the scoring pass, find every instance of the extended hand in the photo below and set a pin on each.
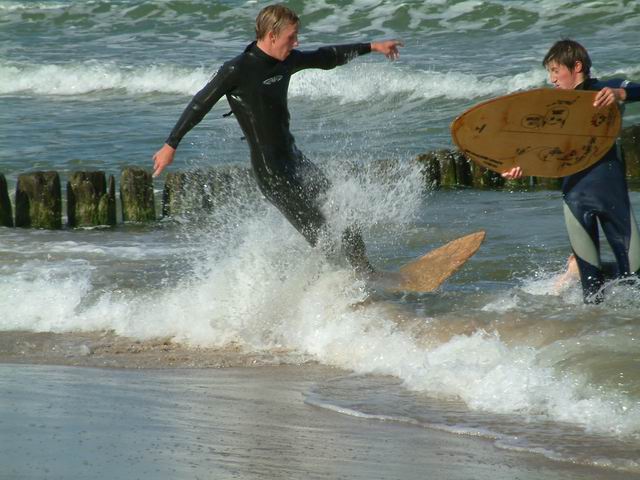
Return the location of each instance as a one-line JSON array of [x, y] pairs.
[[163, 158], [608, 96], [389, 48]]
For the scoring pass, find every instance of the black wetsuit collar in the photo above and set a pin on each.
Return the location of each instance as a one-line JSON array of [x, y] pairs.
[[586, 84], [255, 50]]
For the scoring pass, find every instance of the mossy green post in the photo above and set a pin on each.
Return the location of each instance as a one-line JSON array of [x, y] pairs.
[[173, 193], [482, 177], [187, 193], [448, 169], [136, 195], [6, 212], [229, 183], [430, 169], [39, 200], [108, 202], [547, 183], [464, 177], [630, 143], [199, 192], [89, 200]]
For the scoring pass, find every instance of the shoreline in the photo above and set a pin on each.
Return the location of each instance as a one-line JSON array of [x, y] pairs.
[[108, 350], [166, 411]]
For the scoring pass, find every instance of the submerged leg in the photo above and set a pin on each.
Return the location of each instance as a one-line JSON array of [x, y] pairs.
[[622, 234], [356, 251]]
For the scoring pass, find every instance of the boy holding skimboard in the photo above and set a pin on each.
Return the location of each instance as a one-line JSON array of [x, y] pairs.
[[599, 192]]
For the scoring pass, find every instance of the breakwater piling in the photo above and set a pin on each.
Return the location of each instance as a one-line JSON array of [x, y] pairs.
[[91, 196]]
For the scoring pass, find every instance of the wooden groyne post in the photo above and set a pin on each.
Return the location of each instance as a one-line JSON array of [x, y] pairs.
[[38, 200], [6, 212], [91, 201], [91, 198], [136, 195]]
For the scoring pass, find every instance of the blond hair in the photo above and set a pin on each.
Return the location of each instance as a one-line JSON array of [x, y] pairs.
[[274, 18]]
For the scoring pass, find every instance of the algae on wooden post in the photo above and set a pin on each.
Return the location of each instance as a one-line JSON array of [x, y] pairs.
[[187, 193], [89, 201], [448, 168], [630, 143], [484, 178], [136, 195], [6, 212], [463, 167], [430, 169], [39, 200], [199, 192], [107, 206]]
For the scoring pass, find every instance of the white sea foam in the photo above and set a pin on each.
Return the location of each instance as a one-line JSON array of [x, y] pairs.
[[11, 6], [364, 82], [263, 288], [92, 77], [58, 288], [354, 83]]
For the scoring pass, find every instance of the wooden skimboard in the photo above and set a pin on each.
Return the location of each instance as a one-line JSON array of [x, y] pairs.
[[428, 272], [548, 132]]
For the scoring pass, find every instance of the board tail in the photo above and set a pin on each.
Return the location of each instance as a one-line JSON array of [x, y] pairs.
[[430, 271]]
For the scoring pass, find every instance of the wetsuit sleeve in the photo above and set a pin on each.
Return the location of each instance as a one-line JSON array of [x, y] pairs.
[[329, 57], [633, 91], [222, 82]]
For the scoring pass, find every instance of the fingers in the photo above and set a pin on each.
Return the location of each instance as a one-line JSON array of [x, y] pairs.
[[162, 158], [159, 163], [389, 48], [513, 174], [604, 97], [393, 53], [157, 166]]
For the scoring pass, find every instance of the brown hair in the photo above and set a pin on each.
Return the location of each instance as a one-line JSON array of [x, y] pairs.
[[568, 52], [274, 18]]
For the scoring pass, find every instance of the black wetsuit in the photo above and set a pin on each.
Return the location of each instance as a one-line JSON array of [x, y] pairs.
[[256, 86], [599, 193]]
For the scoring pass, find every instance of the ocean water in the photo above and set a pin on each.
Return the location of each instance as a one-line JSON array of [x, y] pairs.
[[499, 352]]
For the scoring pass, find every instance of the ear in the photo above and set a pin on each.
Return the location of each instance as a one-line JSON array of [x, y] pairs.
[[272, 36], [577, 67]]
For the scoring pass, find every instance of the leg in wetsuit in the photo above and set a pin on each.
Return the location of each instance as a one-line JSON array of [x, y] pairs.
[[599, 194], [298, 194]]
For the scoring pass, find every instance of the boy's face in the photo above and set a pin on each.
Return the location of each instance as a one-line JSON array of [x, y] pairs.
[[285, 41], [563, 77]]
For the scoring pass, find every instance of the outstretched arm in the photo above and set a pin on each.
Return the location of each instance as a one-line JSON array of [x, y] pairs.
[[199, 106], [335, 55]]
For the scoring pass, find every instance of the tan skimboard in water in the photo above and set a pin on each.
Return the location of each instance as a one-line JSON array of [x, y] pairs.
[[428, 272], [548, 132]]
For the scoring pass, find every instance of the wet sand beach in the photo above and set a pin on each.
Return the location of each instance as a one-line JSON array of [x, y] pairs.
[[159, 419]]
